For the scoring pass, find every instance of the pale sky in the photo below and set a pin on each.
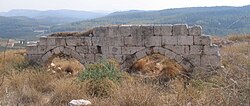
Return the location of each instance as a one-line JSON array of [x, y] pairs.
[[113, 5]]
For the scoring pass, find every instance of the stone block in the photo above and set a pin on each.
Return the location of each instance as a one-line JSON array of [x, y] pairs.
[[76, 55], [41, 49], [211, 50], [31, 49], [142, 53], [210, 60], [105, 41], [129, 60], [202, 40], [67, 51], [195, 59], [86, 41], [50, 48], [137, 41], [46, 57], [119, 58], [82, 49], [105, 50], [58, 50], [159, 50], [128, 41], [113, 31], [163, 30], [131, 50], [71, 47], [73, 41], [83, 61], [147, 31], [124, 30], [115, 50], [195, 30], [180, 30], [51, 41], [196, 49], [178, 58], [43, 41], [114, 41], [169, 40], [98, 41], [149, 51], [78, 41], [93, 49], [60, 41], [137, 35], [100, 31], [89, 58], [185, 40], [182, 50], [167, 30], [152, 41], [157, 30], [170, 54], [186, 65], [108, 41], [99, 57], [108, 56]]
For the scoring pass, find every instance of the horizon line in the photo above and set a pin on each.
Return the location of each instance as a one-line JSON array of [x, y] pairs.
[[117, 10]]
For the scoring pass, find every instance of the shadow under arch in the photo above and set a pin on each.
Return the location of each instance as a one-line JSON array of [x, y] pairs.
[[49, 55], [130, 60]]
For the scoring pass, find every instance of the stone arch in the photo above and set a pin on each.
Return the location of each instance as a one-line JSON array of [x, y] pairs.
[[48, 56], [130, 60]]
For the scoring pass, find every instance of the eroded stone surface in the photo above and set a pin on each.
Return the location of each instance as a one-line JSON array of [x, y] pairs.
[[127, 43]]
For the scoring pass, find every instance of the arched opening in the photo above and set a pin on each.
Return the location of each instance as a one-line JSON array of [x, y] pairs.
[[64, 64], [157, 65], [157, 62], [63, 60]]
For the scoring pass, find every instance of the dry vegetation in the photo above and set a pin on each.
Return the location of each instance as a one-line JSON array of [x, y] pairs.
[[239, 37], [65, 65], [157, 65], [68, 34], [104, 85]]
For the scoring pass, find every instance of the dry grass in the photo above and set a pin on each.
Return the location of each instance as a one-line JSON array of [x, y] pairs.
[[158, 65], [11, 57], [229, 86], [68, 34], [137, 93], [67, 65], [26, 88], [245, 37], [66, 90]]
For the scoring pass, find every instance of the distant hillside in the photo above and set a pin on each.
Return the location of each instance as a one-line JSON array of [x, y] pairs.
[[28, 24], [220, 20], [18, 27], [214, 20], [62, 16]]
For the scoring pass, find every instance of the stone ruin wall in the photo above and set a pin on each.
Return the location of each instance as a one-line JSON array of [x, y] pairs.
[[127, 44]]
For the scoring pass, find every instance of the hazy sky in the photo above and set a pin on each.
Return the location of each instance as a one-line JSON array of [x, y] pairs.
[[111, 5]]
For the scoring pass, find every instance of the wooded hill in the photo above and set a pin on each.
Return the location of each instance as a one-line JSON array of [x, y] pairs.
[[222, 20], [214, 20]]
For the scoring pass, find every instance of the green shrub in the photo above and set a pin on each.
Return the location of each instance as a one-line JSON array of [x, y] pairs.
[[101, 79], [100, 71]]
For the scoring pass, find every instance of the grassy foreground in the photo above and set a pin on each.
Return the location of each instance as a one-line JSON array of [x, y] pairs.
[[103, 84]]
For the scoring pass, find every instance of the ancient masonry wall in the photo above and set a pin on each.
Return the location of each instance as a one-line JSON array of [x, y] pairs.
[[127, 44]]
